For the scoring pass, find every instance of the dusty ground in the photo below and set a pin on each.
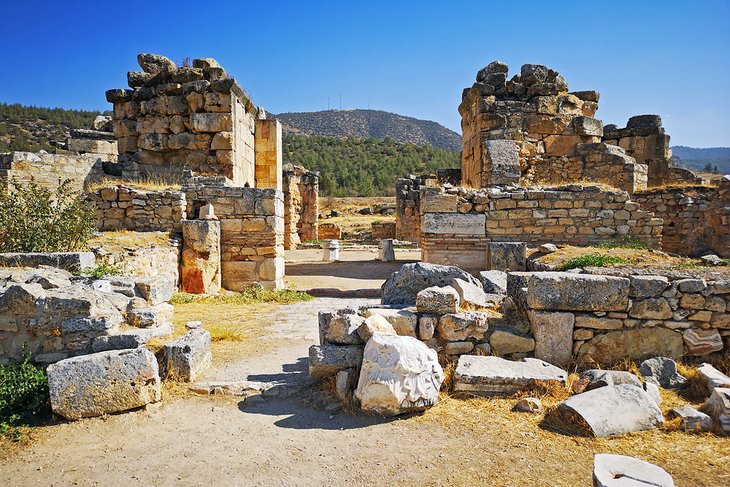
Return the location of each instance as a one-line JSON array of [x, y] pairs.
[[351, 222], [194, 440]]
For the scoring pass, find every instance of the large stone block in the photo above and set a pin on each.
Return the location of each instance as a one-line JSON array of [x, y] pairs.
[[104, 382], [70, 261], [486, 375], [639, 344], [340, 327], [201, 257], [553, 332], [462, 326], [404, 322], [718, 408], [507, 256], [327, 360], [157, 289], [577, 292], [186, 358], [454, 224], [501, 163], [438, 300], [398, 375], [403, 286]]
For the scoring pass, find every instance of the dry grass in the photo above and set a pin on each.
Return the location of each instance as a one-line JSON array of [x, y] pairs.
[[120, 240], [350, 220], [606, 185], [148, 183]]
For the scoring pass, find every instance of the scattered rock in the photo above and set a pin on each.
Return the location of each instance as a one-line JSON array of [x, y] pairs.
[[494, 282], [462, 326], [457, 348], [547, 248], [487, 375], [618, 470], [398, 375], [186, 358], [529, 405], [403, 286], [712, 260], [438, 300], [712, 377], [653, 391], [104, 382], [663, 371], [718, 407], [608, 411], [404, 322], [191, 325], [326, 360], [577, 292], [375, 323], [600, 378], [692, 420]]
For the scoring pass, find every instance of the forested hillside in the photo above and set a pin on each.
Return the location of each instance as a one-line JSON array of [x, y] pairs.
[[715, 159], [363, 167]]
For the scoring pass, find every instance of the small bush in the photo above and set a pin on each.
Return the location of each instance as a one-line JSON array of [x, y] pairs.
[[593, 260], [102, 270], [36, 219], [23, 393]]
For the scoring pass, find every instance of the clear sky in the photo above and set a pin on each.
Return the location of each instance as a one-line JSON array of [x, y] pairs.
[[410, 57]]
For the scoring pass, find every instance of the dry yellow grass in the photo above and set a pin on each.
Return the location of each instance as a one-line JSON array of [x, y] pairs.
[[149, 183], [119, 240]]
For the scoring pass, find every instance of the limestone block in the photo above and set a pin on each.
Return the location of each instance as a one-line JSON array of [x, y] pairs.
[[701, 342], [454, 224], [487, 375], [473, 296], [103, 383], [201, 257], [427, 326], [157, 289], [611, 470], [609, 411], [154, 63], [386, 252], [712, 377], [651, 309], [504, 342], [647, 286], [553, 332], [501, 163], [494, 281], [588, 126], [462, 326], [398, 375], [457, 348], [639, 344], [404, 322], [691, 419], [601, 378], [579, 292], [433, 202], [438, 300], [507, 256], [718, 408], [403, 286], [340, 327], [186, 358], [211, 122], [662, 371], [374, 324]]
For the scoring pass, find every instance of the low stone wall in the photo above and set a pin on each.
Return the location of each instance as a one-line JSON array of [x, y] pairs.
[[408, 205], [144, 259], [69, 261], [301, 206], [48, 170], [696, 219], [126, 208], [381, 230], [459, 222], [329, 231]]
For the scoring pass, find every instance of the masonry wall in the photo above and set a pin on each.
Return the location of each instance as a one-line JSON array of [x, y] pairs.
[[696, 219], [408, 205], [301, 206], [127, 208], [458, 223], [49, 170], [268, 154]]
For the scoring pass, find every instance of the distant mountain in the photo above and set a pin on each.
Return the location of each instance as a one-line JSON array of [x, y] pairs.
[[702, 159], [370, 123]]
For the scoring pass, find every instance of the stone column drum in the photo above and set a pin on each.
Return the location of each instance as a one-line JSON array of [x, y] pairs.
[[201, 257]]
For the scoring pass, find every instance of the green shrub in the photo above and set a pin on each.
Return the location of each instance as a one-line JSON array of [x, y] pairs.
[[23, 393], [102, 270], [36, 219], [593, 260]]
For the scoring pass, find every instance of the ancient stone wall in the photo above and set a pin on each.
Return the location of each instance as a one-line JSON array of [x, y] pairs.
[[696, 219], [408, 205], [381, 230], [145, 257], [457, 223], [127, 208], [252, 230], [268, 154], [49, 170], [329, 231], [176, 118], [301, 206]]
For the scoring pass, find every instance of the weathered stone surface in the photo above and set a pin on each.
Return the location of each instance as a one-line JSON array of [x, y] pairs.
[[701, 342], [427, 326], [327, 360], [712, 377], [403, 286], [472, 296], [502, 163], [718, 408], [529, 405], [154, 63], [663, 371], [340, 327], [461, 326], [611, 470], [398, 375], [131, 338], [651, 309], [638, 344], [507, 256], [504, 342], [345, 383], [438, 300], [647, 286], [553, 332], [375, 323], [454, 224], [692, 420], [104, 382], [578, 292], [600, 378], [404, 322], [457, 348], [386, 251], [186, 358], [156, 290], [201, 266], [494, 282], [70, 261], [494, 376], [691, 285], [653, 391], [608, 411]]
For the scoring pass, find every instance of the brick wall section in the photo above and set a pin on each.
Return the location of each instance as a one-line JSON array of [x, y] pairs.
[[48, 170], [126, 208], [457, 223], [252, 231], [301, 206], [696, 219]]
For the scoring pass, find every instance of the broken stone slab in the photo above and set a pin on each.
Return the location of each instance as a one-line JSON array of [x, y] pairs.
[[717, 407], [488, 375], [402, 287], [102, 383], [386, 251], [712, 377], [662, 371], [326, 360], [567, 291], [438, 300], [374, 323], [503, 342], [701, 342], [232, 388], [600, 378], [345, 383], [462, 326], [156, 290], [404, 322], [611, 470], [610, 348], [398, 375], [473, 296], [507, 256], [340, 327], [553, 332], [608, 411], [494, 282], [187, 357], [691, 419], [149, 317]]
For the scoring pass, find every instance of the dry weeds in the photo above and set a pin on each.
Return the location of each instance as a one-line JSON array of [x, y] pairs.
[[120, 240], [148, 183]]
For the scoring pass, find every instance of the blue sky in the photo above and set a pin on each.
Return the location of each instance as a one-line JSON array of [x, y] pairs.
[[666, 57]]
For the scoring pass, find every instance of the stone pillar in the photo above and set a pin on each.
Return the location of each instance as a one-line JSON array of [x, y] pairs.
[[386, 252], [331, 250], [201, 257], [268, 154]]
